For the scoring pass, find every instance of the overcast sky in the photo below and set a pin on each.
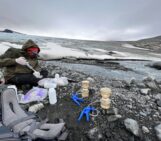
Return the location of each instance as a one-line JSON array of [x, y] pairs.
[[83, 19]]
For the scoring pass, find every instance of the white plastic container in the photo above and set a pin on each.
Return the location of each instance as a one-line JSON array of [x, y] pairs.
[[49, 84], [60, 81], [52, 96]]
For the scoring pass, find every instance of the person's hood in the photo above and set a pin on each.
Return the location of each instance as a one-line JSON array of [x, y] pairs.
[[29, 43]]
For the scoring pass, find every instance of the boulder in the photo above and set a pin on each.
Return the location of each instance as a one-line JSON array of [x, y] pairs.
[[145, 91], [132, 126], [158, 131], [156, 65]]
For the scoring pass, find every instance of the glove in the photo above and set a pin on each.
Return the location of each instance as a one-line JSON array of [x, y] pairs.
[[21, 61], [37, 74]]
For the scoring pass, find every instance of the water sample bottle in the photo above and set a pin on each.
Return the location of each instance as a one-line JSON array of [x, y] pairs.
[[52, 96]]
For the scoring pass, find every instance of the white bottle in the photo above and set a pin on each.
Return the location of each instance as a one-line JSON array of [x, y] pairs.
[[52, 96]]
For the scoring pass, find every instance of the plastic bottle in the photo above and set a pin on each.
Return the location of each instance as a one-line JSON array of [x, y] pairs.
[[52, 96]]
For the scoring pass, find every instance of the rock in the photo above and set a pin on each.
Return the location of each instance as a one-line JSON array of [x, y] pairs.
[[158, 131], [145, 91], [156, 65], [113, 118], [132, 81], [132, 126], [156, 113], [129, 106], [108, 112], [126, 84], [159, 103], [145, 129], [152, 84], [157, 97], [117, 84], [141, 85], [143, 114], [115, 111], [159, 109], [147, 97], [100, 136], [148, 78], [92, 133], [92, 91], [90, 79]]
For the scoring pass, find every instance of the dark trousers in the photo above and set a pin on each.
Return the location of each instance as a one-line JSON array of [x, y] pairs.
[[26, 79]]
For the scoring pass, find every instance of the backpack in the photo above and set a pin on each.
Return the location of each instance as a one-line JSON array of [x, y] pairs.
[[5, 133], [2, 88]]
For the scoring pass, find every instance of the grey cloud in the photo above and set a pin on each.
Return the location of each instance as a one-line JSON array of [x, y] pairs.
[[92, 19]]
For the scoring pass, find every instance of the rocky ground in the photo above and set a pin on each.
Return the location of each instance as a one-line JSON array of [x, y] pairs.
[[133, 116], [135, 112]]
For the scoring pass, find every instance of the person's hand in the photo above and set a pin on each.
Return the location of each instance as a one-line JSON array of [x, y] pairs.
[[21, 61], [37, 74]]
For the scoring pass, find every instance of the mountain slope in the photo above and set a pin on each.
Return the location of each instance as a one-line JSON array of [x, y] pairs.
[[149, 43], [9, 35]]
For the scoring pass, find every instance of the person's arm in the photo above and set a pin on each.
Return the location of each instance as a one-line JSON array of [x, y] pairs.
[[37, 66], [10, 62], [7, 62]]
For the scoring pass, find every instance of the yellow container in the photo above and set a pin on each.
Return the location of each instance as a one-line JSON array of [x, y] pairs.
[[85, 84], [85, 92], [105, 103], [105, 92]]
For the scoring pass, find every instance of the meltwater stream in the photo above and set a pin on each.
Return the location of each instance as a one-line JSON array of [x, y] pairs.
[[140, 70]]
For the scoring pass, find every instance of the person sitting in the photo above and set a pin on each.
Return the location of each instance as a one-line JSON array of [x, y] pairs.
[[20, 65]]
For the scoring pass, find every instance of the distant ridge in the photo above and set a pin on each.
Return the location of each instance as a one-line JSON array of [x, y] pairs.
[[10, 31]]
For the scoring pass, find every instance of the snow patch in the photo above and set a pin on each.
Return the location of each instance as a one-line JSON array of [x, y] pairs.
[[131, 46], [52, 50]]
